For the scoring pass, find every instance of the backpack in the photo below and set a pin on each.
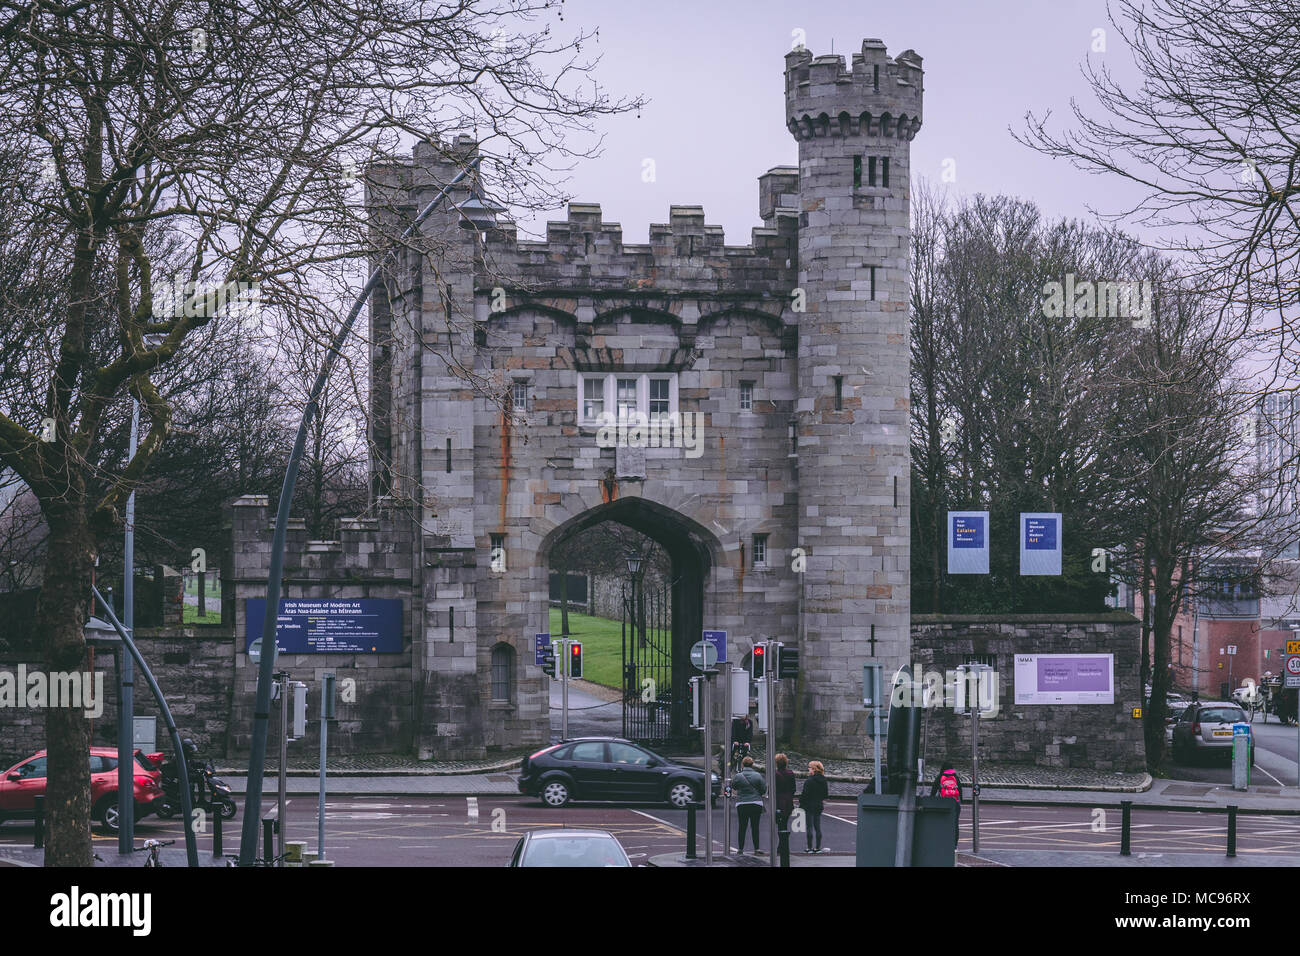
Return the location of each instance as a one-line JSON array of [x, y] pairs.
[[948, 785]]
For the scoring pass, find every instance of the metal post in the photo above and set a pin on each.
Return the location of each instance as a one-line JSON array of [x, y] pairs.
[[262, 704], [564, 689], [726, 760], [216, 833], [769, 671], [708, 767], [326, 708], [284, 757], [1232, 830], [268, 832], [690, 832], [1126, 820], [878, 681], [126, 672], [907, 801], [38, 835], [976, 703], [183, 770]]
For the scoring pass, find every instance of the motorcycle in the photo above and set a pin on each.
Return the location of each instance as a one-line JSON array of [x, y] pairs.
[[210, 792]]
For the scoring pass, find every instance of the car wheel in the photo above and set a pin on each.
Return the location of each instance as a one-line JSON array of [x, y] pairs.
[[108, 813], [681, 794], [555, 793]]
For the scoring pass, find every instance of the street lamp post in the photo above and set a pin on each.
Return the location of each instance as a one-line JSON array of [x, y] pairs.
[[477, 213]]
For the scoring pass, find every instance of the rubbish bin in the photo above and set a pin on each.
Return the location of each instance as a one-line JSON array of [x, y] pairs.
[[932, 836]]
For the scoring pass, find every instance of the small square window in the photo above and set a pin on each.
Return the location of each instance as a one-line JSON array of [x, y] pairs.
[[660, 398], [498, 555], [519, 396], [746, 396], [627, 398], [760, 550]]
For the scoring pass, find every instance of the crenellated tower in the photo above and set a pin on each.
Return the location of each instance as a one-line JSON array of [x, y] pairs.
[[854, 127]]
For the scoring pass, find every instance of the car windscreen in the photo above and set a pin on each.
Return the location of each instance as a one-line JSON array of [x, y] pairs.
[[1222, 715], [573, 851]]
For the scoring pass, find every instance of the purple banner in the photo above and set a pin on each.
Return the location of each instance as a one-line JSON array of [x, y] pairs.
[[1061, 674]]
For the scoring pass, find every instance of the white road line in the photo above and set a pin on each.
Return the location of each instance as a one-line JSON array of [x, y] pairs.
[[471, 805], [851, 823], [650, 816], [1270, 776]]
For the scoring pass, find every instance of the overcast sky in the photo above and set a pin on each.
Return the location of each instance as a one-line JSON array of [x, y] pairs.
[[713, 73]]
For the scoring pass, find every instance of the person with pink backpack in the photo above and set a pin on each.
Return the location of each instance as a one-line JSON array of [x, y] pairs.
[[947, 785]]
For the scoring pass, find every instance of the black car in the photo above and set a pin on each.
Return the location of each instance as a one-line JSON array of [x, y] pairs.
[[608, 768]]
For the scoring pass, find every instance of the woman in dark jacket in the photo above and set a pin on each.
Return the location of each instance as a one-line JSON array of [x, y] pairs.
[[813, 800]]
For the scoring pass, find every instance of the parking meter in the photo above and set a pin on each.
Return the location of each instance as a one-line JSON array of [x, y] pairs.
[[1241, 741]]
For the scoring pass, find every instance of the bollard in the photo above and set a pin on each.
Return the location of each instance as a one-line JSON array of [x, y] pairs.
[[1126, 806], [1232, 830], [690, 832], [216, 833], [268, 840], [38, 837]]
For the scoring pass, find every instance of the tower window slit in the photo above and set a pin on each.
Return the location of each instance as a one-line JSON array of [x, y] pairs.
[[839, 393], [857, 171], [871, 171], [449, 456], [872, 270], [884, 171]]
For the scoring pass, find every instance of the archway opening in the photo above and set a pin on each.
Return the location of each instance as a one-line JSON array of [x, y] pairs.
[[637, 619]]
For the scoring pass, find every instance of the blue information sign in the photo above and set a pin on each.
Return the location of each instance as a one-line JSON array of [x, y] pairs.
[[1040, 543], [312, 626], [968, 542], [542, 645], [719, 640]]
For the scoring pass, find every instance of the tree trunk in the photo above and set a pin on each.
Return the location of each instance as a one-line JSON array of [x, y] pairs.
[[1161, 625], [61, 617]]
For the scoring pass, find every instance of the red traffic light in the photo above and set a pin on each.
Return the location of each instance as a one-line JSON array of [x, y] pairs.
[[577, 649], [758, 650]]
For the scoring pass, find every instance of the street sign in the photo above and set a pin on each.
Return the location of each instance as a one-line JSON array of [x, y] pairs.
[[1293, 647], [703, 655], [1291, 678], [1232, 650], [541, 646], [719, 641]]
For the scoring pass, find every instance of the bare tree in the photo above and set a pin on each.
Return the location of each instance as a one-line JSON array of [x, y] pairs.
[[232, 125]]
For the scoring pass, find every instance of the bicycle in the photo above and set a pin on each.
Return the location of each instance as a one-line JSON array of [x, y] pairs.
[[155, 849]]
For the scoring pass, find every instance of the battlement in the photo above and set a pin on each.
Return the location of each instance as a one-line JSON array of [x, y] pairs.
[[683, 254], [876, 96]]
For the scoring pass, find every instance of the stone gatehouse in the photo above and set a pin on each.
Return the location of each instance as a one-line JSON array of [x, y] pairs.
[[781, 498]]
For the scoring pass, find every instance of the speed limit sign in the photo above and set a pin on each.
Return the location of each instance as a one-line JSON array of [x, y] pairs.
[[1292, 676]]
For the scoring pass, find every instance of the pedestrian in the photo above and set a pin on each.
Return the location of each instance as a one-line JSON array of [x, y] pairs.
[[813, 800], [785, 785], [748, 787], [946, 784], [742, 735]]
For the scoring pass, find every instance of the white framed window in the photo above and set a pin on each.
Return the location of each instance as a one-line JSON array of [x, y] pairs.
[[760, 550], [746, 396], [620, 396], [519, 396]]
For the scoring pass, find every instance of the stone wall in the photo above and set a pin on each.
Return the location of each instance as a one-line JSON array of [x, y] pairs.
[[1090, 736]]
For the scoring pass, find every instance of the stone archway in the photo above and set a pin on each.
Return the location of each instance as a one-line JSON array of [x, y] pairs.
[[693, 553]]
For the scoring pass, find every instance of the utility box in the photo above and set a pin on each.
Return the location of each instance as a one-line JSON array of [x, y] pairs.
[[934, 840], [298, 709], [1241, 748], [144, 733]]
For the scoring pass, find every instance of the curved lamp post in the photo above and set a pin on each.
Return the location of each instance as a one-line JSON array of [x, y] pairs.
[[477, 213]]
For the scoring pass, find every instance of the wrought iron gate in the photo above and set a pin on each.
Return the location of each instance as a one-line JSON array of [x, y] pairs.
[[652, 712]]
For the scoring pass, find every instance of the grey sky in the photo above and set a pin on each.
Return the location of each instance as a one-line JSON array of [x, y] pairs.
[[714, 74]]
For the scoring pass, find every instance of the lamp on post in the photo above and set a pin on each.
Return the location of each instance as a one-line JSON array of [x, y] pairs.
[[634, 563]]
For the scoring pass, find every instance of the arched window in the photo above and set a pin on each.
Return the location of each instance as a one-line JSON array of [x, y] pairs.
[[503, 673]]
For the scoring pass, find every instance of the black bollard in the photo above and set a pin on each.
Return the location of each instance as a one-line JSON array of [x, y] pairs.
[[783, 840], [1126, 807], [38, 837], [1232, 830], [268, 840], [216, 832], [690, 832]]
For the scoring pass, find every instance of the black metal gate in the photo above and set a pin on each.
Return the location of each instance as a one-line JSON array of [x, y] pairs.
[[652, 712]]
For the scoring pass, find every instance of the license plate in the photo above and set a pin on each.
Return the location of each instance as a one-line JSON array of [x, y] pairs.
[[1223, 733]]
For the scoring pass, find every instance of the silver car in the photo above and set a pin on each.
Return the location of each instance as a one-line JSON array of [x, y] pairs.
[[569, 848], [1207, 728]]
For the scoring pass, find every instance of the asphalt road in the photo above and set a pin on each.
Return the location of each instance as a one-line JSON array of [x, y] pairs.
[[1275, 758], [482, 831]]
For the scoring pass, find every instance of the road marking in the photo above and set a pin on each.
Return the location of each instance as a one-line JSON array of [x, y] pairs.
[[841, 819], [1270, 776], [471, 804], [649, 816]]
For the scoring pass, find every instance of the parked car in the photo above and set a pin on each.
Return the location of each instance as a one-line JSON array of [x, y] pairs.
[[610, 768], [24, 781], [1174, 713], [569, 848], [1207, 729]]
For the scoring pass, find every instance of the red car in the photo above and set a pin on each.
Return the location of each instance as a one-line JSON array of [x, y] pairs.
[[26, 780]]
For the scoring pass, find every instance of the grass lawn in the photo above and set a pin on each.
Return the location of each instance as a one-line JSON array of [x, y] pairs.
[[212, 584], [190, 613], [602, 646]]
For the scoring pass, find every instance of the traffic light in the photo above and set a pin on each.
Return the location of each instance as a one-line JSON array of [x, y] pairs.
[[575, 660], [758, 662], [787, 662], [548, 663]]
